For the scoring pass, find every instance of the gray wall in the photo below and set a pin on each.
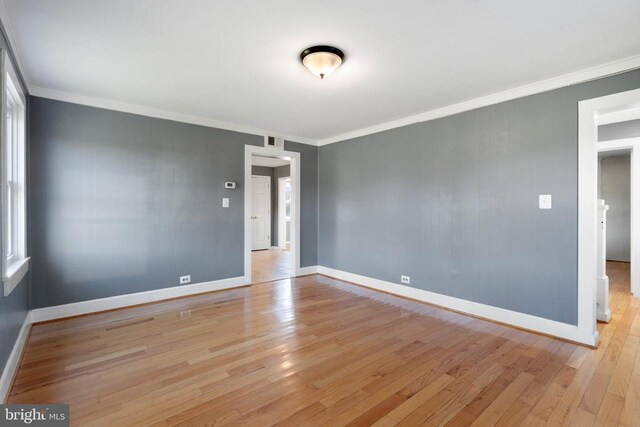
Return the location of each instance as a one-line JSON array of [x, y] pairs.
[[615, 189], [628, 129], [453, 202], [124, 203], [262, 171], [13, 308]]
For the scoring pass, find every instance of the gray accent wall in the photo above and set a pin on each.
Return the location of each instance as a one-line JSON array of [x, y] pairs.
[[15, 306], [123, 203], [453, 202], [615, 189], [620, 130]]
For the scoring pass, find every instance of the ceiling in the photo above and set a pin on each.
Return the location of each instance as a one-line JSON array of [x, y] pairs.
[[236, 62], [269, 162]]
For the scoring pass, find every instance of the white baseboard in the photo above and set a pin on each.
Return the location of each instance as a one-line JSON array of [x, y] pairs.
[[102, 304], [14, 359], [520, 320], [305, 271], [604, 316]]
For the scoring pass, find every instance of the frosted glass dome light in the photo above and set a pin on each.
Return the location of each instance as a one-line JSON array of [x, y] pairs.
[[322, 60]]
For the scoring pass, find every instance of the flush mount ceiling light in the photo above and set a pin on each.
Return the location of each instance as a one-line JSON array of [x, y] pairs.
[[322, 60]]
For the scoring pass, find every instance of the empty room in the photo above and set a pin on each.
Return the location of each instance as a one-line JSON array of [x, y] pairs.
[[312, 213]]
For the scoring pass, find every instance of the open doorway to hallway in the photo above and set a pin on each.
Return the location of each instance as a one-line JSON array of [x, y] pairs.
[[614, 209], [617, 141], [271, 199]]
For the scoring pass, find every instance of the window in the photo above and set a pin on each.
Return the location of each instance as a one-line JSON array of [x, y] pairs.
[[15, 262], [287, 200]]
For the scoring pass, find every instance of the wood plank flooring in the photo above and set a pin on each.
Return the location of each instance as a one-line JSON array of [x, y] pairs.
[[268, 265], [317, 351]]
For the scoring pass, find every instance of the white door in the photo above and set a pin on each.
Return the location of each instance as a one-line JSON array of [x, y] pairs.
[[260, 212]]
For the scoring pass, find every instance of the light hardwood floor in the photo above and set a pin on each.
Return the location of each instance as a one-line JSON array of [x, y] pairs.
[[317, 351], [271, 264]]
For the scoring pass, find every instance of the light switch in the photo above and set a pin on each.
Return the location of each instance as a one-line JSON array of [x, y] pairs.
[[225, 202], [544, 201]]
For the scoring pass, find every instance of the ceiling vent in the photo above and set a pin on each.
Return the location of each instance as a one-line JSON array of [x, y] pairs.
[[274, 142]]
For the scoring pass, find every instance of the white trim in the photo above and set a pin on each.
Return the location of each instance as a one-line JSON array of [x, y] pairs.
[[305, 271], [618, 116], [635, 221], [13, 361], [120, 301], [617, 145], [13, 267], [611, 68], [603, 313], [520, 320], [14, 273], [294, 159], [142, 110]]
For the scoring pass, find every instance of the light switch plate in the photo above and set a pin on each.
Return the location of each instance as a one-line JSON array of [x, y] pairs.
[[225, 202], [544, 201]]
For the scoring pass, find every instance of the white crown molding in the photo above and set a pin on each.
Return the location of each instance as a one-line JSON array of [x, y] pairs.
[[127, 300], [521, 320], [141, 110], [8, 29], [11, 367], [611, 68]]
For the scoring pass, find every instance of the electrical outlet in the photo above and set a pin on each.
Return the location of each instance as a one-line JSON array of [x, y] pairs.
[[405, 279], [185, 279]]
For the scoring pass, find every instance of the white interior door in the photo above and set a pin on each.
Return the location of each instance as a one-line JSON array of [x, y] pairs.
[[260, 212]]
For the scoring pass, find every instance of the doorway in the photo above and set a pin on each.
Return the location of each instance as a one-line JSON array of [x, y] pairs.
[[593, 114], [614, 231], [272, 227]]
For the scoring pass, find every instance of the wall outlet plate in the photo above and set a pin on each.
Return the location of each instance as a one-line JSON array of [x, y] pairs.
[[544, 201], [405, 279], [185, 279]]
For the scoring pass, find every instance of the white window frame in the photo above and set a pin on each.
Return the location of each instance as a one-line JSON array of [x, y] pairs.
[[15, 262]]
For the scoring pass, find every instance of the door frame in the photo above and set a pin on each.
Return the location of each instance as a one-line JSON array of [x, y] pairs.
[[282, 219], [269, 207], [589, 113], [294, 159]]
